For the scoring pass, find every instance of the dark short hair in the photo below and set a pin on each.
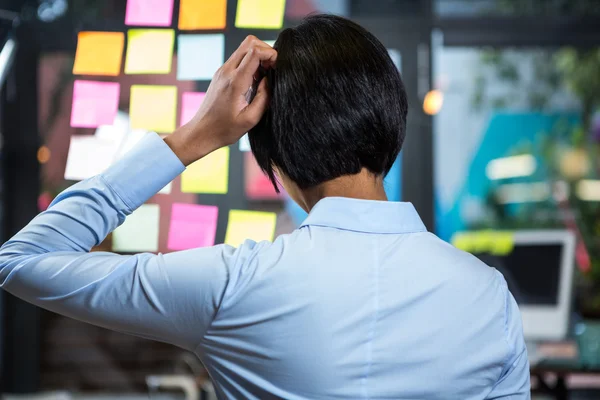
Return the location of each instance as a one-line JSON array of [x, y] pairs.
[[337, 104]]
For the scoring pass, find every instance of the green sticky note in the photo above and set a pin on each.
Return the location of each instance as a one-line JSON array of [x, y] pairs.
[[503, 244], [254, 225], [260, 14], [149, 51], [153, 108], [208, 175], [139, 232]]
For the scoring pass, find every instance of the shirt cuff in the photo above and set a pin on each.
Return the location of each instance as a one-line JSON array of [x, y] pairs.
[[143, 171]]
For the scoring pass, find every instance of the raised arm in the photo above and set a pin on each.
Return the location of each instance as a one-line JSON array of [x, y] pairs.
[[171, 297], [48, 263]]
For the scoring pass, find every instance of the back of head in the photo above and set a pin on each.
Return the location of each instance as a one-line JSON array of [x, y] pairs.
[[338, 104]]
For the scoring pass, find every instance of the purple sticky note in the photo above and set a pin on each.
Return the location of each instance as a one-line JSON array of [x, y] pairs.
[[192, 226], [94, 103], [149, 12], [190, 103]]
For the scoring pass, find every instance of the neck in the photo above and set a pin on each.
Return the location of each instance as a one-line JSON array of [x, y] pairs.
[[363, 185]]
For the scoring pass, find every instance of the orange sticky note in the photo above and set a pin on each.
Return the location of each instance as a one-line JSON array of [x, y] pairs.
[[202, 14], [99, 53]]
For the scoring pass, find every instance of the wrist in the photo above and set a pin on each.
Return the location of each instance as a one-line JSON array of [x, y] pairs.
[[187, 145]]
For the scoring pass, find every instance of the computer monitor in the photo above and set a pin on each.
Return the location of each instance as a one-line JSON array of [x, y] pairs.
[[539, 273]]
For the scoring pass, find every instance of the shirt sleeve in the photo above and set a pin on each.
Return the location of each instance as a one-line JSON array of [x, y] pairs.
[[171, 298], [514, 383]]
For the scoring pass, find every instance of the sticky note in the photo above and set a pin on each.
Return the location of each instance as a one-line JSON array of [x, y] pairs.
[[99, 53], [190, 103], [149, 51], [192, 226], [149, 12], [153, 108], [166, 189], [94, 103], [208, 175], [254, 225], [260, 14], [139, 232], [115, 132], [199, 56], [202, 14], [257, 184], [88, 156], [244, 144]]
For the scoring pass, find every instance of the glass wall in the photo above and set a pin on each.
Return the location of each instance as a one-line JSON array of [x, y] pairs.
[[499, 8], [517, 141]]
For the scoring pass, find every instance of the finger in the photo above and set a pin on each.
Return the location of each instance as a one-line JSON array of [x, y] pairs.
[[238, 55], [255, 57], [255, 110]]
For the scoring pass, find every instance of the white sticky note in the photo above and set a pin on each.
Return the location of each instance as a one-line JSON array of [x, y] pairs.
[[166, 189], [199, 56], [116, 132], [245, 143], [88, 156], [139, 232]]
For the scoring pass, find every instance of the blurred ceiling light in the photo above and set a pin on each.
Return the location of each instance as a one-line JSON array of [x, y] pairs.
[[575, 164], [51, 10], [588, 190], [43, 154], [432, 104], [511, 167], [511, 193]]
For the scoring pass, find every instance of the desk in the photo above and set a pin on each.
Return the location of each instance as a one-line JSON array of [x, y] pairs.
[[555, 378]]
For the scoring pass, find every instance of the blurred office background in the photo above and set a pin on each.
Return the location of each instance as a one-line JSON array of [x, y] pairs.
[[503, 146]]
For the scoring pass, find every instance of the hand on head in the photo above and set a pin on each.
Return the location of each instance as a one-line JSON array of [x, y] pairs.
[[225, 114]]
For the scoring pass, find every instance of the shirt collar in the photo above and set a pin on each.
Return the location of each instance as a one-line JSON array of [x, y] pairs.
[[367, 216]]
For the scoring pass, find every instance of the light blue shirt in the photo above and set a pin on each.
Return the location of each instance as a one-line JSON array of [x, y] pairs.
[[360, 302]]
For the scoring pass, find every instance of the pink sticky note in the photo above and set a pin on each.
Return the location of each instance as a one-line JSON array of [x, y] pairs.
[[192, 226], [94, 103], [149, 12], [190, 103]]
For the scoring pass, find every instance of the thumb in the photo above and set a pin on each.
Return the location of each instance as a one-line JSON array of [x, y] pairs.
[[255, 110]]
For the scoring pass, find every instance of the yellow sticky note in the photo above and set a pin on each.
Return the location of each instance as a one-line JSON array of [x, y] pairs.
[[202, 14], [153, 108], [254, 225], [261, 14], [503, 243], [99, 53], [149, 51], [208, 175]]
